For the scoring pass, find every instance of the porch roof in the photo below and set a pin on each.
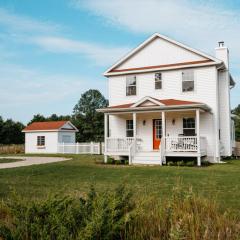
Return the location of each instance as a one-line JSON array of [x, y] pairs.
[[155, 104]]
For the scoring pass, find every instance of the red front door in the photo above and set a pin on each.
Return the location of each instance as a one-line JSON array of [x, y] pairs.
[[157, 133]]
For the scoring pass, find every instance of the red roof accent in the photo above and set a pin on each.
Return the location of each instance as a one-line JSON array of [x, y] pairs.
[[53, 125], [162, 66], [166, 102]]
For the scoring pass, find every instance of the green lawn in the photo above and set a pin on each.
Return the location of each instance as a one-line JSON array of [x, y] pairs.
[[220, 181]]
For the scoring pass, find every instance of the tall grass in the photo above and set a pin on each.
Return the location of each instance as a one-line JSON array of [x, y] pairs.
[[12, 149], [118, 215]]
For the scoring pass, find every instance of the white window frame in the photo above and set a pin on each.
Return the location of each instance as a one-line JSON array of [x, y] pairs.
[[157, 81], [129, 86], [188, 76], [41, 141]]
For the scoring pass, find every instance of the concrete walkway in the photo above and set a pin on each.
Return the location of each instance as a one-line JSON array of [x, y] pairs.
[[28, 161]]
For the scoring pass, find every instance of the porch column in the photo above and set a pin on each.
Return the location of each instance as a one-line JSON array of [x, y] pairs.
[[105, 136], [134, 125], [198, 137], [163, 137]]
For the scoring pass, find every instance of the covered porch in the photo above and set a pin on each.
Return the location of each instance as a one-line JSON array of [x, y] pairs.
[[148, 135]]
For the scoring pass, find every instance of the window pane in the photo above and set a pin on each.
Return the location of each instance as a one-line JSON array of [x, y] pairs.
[[188, 86], [131, 85], [129, 128], [158, 85], [189, 132], [188, 75], [131, 90], [158, 76]]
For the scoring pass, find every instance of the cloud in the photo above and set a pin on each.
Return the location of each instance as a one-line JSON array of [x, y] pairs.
[[20, 85], [200, 24], [101, 55], [25, 24]]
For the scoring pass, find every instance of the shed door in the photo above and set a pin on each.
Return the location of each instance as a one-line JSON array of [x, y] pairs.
[[157, 133]]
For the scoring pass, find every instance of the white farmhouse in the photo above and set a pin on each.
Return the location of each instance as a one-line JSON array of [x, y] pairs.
[[45, 137], [169, 100]]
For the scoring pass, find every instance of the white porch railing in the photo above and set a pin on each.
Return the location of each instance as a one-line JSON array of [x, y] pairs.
[[118, 144], [185, 144], [80, 148]]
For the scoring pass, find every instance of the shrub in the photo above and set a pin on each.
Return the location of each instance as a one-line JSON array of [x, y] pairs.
[[98, 216]]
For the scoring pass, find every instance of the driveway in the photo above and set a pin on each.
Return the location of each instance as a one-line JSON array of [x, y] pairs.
[[28, 161]]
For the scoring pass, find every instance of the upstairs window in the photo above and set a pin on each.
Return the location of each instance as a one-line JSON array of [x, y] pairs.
[[188, 81], [189, 126], [40, 140], [131, 85], [129, 128], [158, 80]]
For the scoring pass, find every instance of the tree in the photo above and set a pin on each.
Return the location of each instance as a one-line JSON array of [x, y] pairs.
[[236, 112], [11, 132], [53, 117], [89, 122]]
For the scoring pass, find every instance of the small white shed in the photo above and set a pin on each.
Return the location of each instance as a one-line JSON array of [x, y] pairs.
[[44, 137]]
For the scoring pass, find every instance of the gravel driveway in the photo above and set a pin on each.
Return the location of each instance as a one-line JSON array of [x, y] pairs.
[[28, 161]]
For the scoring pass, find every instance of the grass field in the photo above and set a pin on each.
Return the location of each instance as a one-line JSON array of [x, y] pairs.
[[74, 177]]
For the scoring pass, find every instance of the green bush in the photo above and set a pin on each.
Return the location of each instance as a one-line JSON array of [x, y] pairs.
[[98, 216]]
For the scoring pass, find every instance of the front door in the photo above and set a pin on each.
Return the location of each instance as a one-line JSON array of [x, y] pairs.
[[157, 133]]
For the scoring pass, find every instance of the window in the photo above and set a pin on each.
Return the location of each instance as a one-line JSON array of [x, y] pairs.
[[131, 85], [188, 81], [66, 139], [189, 126], [158, 128], [40, 140], [158, 80], [129, 128]]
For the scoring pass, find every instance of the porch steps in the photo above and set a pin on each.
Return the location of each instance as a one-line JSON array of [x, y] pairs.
[[147, 158]]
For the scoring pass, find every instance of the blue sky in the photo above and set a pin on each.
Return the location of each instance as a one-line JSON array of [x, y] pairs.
[[51, 51]]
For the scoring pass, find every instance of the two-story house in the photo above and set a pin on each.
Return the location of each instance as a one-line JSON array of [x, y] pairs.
[[169, 100]]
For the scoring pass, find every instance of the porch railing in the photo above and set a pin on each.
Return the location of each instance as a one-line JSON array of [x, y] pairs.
[[118, 144], [185, 144]]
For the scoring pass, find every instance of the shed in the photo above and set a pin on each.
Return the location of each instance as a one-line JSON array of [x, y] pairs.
[[44, 137]]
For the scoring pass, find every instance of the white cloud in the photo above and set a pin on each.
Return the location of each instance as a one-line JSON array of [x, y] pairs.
[[25, 24], [20, 86], [200, 24], [101, 55]]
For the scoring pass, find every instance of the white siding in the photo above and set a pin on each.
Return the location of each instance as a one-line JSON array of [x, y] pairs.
[[51, 142], [224, 112], [160, 52], [206, 90]]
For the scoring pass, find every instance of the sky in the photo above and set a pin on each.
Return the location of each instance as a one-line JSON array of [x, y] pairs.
[[51, 51]]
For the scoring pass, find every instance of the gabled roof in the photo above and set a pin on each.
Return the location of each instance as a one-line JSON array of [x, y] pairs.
[[206, 61], [160, 104], [50, 126]]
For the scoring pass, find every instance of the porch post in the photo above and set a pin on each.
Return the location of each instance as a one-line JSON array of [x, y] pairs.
[[198, 137], [163, 137], [105, 136], [134, 125]]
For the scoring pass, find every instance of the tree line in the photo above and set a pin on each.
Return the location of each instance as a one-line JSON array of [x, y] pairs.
[[89, 122]]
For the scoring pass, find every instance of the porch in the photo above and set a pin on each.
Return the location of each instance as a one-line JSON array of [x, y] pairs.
[[148, 134]]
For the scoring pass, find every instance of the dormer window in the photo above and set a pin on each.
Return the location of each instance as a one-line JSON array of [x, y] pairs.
[[158, 80], [131, 85], [188, 81]]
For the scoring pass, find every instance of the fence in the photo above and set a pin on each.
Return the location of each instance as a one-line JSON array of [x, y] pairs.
[[237, 149], [12, 149], [81, 148]]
